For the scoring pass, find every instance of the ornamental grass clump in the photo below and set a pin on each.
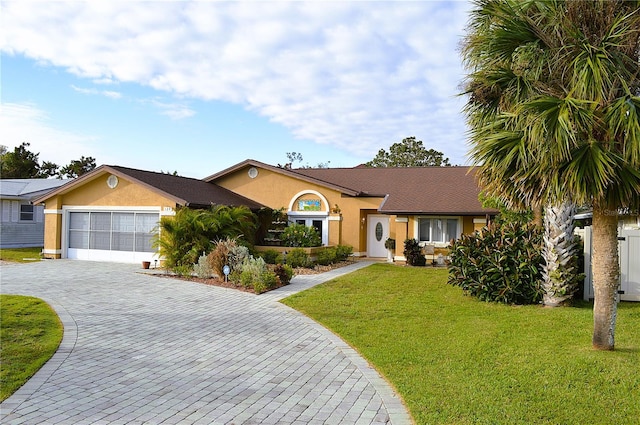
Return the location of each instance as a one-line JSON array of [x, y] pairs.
[[501, 263]]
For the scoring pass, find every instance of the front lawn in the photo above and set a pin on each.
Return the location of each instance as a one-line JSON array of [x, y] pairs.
[[20, 255], [456, 360], [30, 334]]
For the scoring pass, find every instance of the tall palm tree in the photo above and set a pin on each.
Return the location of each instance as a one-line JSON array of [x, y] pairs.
[[554, 111]]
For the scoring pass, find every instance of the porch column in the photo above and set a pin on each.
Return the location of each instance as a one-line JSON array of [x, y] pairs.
[[52, 234], [402, 230], [335, 228]]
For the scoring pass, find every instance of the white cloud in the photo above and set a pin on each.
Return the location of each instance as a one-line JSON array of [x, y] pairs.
[[355, 75], [107, 93], [175, 111]]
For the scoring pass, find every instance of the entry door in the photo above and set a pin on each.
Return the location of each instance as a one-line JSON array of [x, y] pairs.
[[377, 234]]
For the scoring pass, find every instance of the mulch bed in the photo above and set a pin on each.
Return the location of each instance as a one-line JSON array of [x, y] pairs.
[[221, 283]]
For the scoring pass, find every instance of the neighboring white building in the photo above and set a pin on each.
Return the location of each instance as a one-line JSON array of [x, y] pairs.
[[21, 222]]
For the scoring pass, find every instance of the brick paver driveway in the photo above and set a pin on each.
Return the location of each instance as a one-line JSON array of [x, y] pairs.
[[140, 349]]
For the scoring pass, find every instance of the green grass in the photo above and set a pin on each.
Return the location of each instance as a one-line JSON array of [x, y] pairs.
[[30, 333], [456, 360], [20, 255]]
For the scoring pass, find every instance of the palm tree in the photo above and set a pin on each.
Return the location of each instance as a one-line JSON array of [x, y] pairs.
[[191, 233], [554, 112]]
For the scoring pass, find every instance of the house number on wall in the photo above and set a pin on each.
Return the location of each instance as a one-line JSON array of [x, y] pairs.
[[379, 232]]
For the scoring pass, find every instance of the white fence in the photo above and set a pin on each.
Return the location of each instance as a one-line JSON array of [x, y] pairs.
[[629, 253]]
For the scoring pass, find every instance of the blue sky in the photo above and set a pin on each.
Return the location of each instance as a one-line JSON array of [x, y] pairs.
[[196, 87]]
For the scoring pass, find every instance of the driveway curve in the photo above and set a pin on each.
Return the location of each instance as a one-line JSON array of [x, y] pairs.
[[140, 349]]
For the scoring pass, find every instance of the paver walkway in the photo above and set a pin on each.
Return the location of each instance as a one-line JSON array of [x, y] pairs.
[[139, 349]]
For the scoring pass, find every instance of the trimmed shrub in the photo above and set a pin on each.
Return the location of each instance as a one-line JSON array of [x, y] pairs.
[[271, 256], [298, 235], [326, 256], [343, 252], [183, 271], [298, 258], [266, 281], [413, 253], [501, 263], [284, 273], [203, 269], [236, 256]]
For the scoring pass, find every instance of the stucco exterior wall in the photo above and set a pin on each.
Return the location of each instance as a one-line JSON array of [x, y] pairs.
[[126, 193], [276, 191]]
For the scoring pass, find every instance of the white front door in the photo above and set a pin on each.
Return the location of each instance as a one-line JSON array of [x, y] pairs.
[[377, 234]]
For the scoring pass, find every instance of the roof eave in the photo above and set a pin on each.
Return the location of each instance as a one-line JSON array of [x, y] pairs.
[[65, 188], [283, 171], [451, 213]]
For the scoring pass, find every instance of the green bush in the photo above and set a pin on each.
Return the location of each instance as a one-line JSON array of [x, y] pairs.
[[266, 280], [236, 256], [203, 269], [413, 253], [284, 273], [271, 256], [343, 252], [326, 256], [501, 263], [250, 271], [298, 235], [183, 271], [297, 257]]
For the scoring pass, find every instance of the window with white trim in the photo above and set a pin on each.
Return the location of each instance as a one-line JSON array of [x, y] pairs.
[[438, 229], [26, 212]]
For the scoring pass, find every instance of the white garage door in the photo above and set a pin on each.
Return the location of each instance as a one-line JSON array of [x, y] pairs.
[[121, 236]]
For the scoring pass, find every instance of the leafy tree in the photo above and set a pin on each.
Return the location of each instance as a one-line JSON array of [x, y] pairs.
[[554, 112], [24, 164], [291, 157], [78, 167], [19, 164], [47, 169], [297, 157], [408, 153]]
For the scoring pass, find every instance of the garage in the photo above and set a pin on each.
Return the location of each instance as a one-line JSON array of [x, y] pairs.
[[112, 212]]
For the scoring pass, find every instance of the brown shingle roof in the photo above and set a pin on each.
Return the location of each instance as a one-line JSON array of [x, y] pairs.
[[183, 190], [411, 190]]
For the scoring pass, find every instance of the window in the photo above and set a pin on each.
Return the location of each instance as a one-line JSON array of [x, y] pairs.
[[26, 212], [438, 230]]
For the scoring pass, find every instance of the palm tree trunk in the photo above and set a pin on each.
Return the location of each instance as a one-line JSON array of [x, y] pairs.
[[559, 252], [606, 272]]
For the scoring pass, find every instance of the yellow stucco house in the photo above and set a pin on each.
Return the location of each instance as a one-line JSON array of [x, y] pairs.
[[109, 214]]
